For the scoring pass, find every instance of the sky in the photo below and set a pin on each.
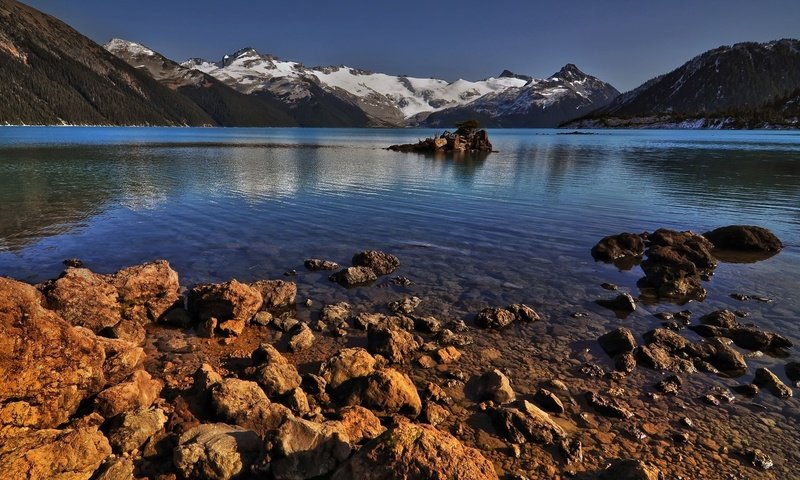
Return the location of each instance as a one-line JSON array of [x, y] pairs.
[[623, 42]]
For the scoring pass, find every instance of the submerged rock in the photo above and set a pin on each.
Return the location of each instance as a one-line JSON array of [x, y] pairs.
[[353, 276], [744, 238], [315, 264], [416, 452], [623, 302], [495, 318], [607, 406], [523, 313]]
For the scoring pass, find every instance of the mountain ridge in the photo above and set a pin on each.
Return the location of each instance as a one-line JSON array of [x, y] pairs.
[[731, 85], [51, 74]]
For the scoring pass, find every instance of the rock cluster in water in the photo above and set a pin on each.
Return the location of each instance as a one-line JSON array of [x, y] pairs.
[[465, 139], [675, 264]]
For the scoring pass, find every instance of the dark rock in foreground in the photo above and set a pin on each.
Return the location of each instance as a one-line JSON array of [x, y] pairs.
[[464, 139], [744, 238]]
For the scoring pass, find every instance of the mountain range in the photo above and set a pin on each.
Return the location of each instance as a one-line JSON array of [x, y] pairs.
[[51, 74]]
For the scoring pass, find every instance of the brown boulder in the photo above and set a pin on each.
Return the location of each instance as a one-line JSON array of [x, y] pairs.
[[74, 453], [244, 403], [138, 393], [746, 238], [216, 452], [276, 293], [618, 341], [676, 264], [525, 422], [347, 364], [619, 246], [132, 429], [394, 344], [84, 298], [386, 391], [304, 449], [495, 386], [416, 452], [278, 379], [48, 367], [147, 291], [232, 304], [359, 424], [630, 470], [381, 263]]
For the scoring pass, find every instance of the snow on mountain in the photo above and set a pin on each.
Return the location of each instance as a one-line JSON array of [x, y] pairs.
[[388, 97], [538, 103], [158, 66]]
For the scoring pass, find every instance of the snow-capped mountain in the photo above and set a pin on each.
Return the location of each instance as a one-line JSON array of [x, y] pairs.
[[225, 105], [402, 100], [388, 98], [563, 96]]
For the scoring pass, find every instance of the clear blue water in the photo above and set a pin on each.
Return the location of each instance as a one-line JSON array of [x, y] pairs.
[[516, 225]]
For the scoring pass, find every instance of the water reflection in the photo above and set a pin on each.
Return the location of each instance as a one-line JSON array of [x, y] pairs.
[[538, 187]]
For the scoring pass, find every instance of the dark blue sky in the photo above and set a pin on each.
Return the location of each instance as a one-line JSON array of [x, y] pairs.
[[624, 42]]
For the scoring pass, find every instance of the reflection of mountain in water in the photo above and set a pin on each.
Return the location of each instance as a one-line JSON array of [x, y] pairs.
[[43, 194], [47, 191]]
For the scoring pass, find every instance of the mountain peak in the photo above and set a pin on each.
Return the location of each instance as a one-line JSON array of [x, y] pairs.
[[241, 53], [509, 74], [570, 72], [118, 45]]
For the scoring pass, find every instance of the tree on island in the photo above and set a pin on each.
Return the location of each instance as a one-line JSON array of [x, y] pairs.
[[468, 127]]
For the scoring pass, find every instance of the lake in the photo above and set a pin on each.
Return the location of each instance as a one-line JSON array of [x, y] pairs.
[[471, 231]]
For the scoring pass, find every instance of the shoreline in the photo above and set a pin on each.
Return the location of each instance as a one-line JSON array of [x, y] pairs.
[[480, 390]]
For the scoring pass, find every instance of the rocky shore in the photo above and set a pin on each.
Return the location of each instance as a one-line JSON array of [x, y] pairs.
[[130, 375]]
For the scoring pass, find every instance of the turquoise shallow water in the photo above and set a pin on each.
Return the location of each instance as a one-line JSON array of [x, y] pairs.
[[253, 203]]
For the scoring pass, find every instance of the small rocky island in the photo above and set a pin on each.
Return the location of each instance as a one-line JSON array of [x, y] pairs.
[[469, 137]]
